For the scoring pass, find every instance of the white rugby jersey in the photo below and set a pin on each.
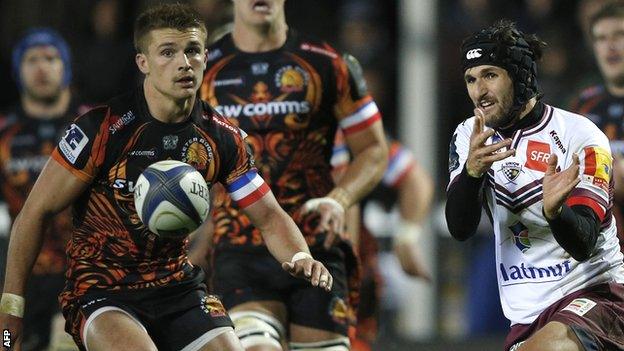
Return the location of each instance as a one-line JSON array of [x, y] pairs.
[[533, 270]]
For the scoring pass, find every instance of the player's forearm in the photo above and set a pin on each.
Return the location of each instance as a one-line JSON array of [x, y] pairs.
[[576, 229], [282, 236], [352, 222], [463, 206], [415, 196], [362, 175], [24, 246]]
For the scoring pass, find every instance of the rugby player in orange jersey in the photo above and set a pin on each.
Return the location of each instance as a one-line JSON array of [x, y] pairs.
[[128, 288], [30, 130], [603, 103], [291, 93]]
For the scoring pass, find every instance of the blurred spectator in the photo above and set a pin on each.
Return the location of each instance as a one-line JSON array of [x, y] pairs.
[[604, 103], [362, 35], [216, 14], [106, 64], [42, 68]]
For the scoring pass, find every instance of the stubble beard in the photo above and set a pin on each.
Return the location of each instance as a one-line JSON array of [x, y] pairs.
[[45, 99], [618, 80]]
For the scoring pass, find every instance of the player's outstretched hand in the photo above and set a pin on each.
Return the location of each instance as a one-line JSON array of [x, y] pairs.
[[311, 270], [481, 156], [11, 332], [332, 221], [558, 185]]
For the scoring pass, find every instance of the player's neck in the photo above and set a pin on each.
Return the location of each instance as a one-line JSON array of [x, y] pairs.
[[254, 39], [166, 109], [615, 90], [41, 109]]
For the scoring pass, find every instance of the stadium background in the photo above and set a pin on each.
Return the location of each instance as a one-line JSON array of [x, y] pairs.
[[410, 52]]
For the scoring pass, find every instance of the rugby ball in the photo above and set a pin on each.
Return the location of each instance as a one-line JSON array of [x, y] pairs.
[[171, 198]]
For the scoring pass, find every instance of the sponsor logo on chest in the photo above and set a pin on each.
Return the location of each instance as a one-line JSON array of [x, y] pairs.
[[537, 155], [119, 122], [514, 274], [170, 142], [558, 142]]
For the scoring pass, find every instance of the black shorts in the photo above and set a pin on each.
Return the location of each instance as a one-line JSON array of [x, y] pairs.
[[595, 315], [241, 277], [174, 316]]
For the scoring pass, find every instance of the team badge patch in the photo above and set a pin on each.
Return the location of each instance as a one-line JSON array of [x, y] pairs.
[[212, 306], [597, 167], [73, 142], [197, 152], [291, 79], [580, 306], [537, 156], [511, 170]]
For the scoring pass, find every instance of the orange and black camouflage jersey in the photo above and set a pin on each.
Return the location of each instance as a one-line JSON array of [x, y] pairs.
[[25, 146], [109, 147], [290, 101], [606, 111]]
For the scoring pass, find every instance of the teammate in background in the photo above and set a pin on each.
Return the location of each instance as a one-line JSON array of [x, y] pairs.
[[545, 176], [291, 94], [603, 104], [407, 190], [126, 288], [42, 70]]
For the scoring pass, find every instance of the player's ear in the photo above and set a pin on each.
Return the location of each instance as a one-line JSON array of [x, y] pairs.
[[141, 61], [205, 56]]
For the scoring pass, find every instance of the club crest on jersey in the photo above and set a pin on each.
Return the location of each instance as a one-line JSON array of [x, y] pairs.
[[211, 305], [511, 171], [537, 155], [197, 153], [520, 236], [170, 142], [291, 79]]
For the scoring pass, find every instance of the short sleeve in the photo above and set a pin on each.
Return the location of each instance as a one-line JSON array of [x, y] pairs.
[[401, 161], [239, 174], [340, 153], [355, 109], [596, 168], [458, 149], [82, 148]]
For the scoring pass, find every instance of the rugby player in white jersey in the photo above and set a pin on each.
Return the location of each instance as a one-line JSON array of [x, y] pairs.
[[544, 176]]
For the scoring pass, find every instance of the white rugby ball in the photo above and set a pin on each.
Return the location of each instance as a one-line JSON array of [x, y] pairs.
[[171, 198]]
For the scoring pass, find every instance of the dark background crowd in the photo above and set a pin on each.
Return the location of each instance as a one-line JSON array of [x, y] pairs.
[[100, 35]]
